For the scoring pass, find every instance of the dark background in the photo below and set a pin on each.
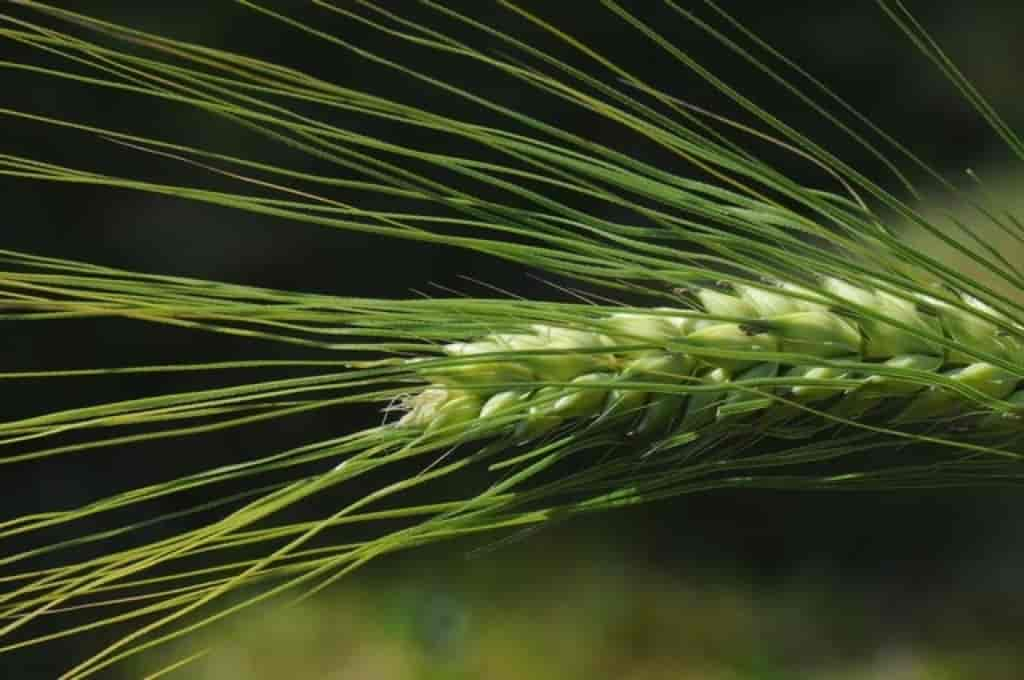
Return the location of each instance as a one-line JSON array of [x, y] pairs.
[[901, 547]]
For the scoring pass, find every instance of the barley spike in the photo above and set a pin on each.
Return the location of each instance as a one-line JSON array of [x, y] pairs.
[[652, 375]]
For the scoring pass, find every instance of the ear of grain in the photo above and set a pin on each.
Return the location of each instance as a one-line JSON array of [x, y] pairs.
[[537, 383]]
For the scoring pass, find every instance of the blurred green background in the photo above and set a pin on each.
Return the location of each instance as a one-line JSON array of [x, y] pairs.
[[750, 584]]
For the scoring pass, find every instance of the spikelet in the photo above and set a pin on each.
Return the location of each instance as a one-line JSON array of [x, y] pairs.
[[896, 350]]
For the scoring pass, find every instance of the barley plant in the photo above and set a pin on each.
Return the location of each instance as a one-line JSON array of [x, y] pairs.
[[729, 303]]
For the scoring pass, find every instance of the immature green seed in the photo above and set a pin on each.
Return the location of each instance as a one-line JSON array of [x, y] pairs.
[[482, 373], [666, 367], [662, 407], [990, 380], [849, 292], [722, 304], [563, 365], [642, 328], [888, 385], [683, 322], [882, 338], [584, 401], [458, 410], [423, 408], [660, 411], [741, 397], [700, 407], [732, 337], [818, 333], [810, 393], [540, 418], [623, 406], [502, 403], [770, 303], [998, 423], [971, 330]]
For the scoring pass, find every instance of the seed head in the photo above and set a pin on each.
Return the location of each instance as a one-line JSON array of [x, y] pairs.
[[743, 341]]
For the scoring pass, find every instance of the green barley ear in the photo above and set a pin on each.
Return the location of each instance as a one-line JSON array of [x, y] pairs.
[[725, 326], [888, 366]]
